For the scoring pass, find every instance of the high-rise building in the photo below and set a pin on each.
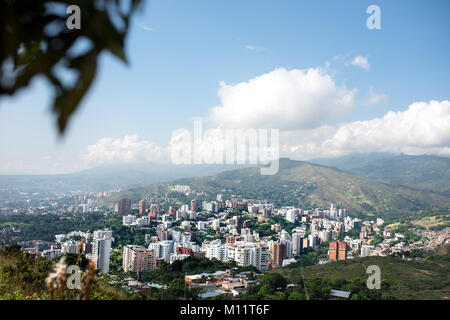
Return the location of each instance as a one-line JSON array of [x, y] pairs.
[[291, 215], [142, 207], [101, 249], [278, 254], [288, 254], [138, 258], [163, 249], [246, 254], [304, 244], [313, 241], [194, 205], [337, 250], [333, 250], [267, 213], [217, 251], [124, 206], [343, 248], [172, 210], [162, 234], [297, 243], [153, 214]]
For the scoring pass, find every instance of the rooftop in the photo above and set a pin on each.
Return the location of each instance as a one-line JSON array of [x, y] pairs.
[[340, 294]]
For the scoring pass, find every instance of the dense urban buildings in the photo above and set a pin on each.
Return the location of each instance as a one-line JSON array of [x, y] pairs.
[[231, 229]]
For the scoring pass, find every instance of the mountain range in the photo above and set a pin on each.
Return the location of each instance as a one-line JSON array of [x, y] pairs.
[[424, 172], [310, 185], [108, 177]]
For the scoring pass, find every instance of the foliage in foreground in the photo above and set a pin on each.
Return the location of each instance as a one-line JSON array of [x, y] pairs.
[[34, 39], [23, 277]]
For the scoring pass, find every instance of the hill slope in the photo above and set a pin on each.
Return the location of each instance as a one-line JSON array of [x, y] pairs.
[[425, 172], [22, 277], [407, 279], [309, 185]]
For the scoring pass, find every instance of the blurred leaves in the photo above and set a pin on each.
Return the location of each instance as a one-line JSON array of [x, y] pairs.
[[35, 41]]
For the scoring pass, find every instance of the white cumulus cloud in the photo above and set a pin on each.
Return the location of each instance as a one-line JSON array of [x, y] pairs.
[[424, 128], [362, 62], [128, 149], [283, 99]]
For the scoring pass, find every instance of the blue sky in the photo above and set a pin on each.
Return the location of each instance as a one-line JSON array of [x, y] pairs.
[[179, 52]]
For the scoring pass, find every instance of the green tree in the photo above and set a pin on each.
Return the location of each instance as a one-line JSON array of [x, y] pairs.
[[275, 281], [296, 296]]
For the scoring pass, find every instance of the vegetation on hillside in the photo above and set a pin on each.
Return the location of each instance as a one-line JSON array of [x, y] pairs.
[[23, 277], [400, 279], [308, 186], [424, 172]]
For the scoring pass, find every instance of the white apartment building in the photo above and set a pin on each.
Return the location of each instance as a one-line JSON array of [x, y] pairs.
[[215, 224], [185, 237], [212, 206], [128, 220], [101, 249], [51, 254], [201, 225], [162, 249], [285, 235], [297, 239], [182, 188], [291, 215], [175, 256], [244, 253], [143, 221], [176, 235], [69, 247], [366, 250], [217, 251]]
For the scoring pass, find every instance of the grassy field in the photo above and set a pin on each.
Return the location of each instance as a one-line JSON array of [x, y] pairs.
[[12, 224]]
